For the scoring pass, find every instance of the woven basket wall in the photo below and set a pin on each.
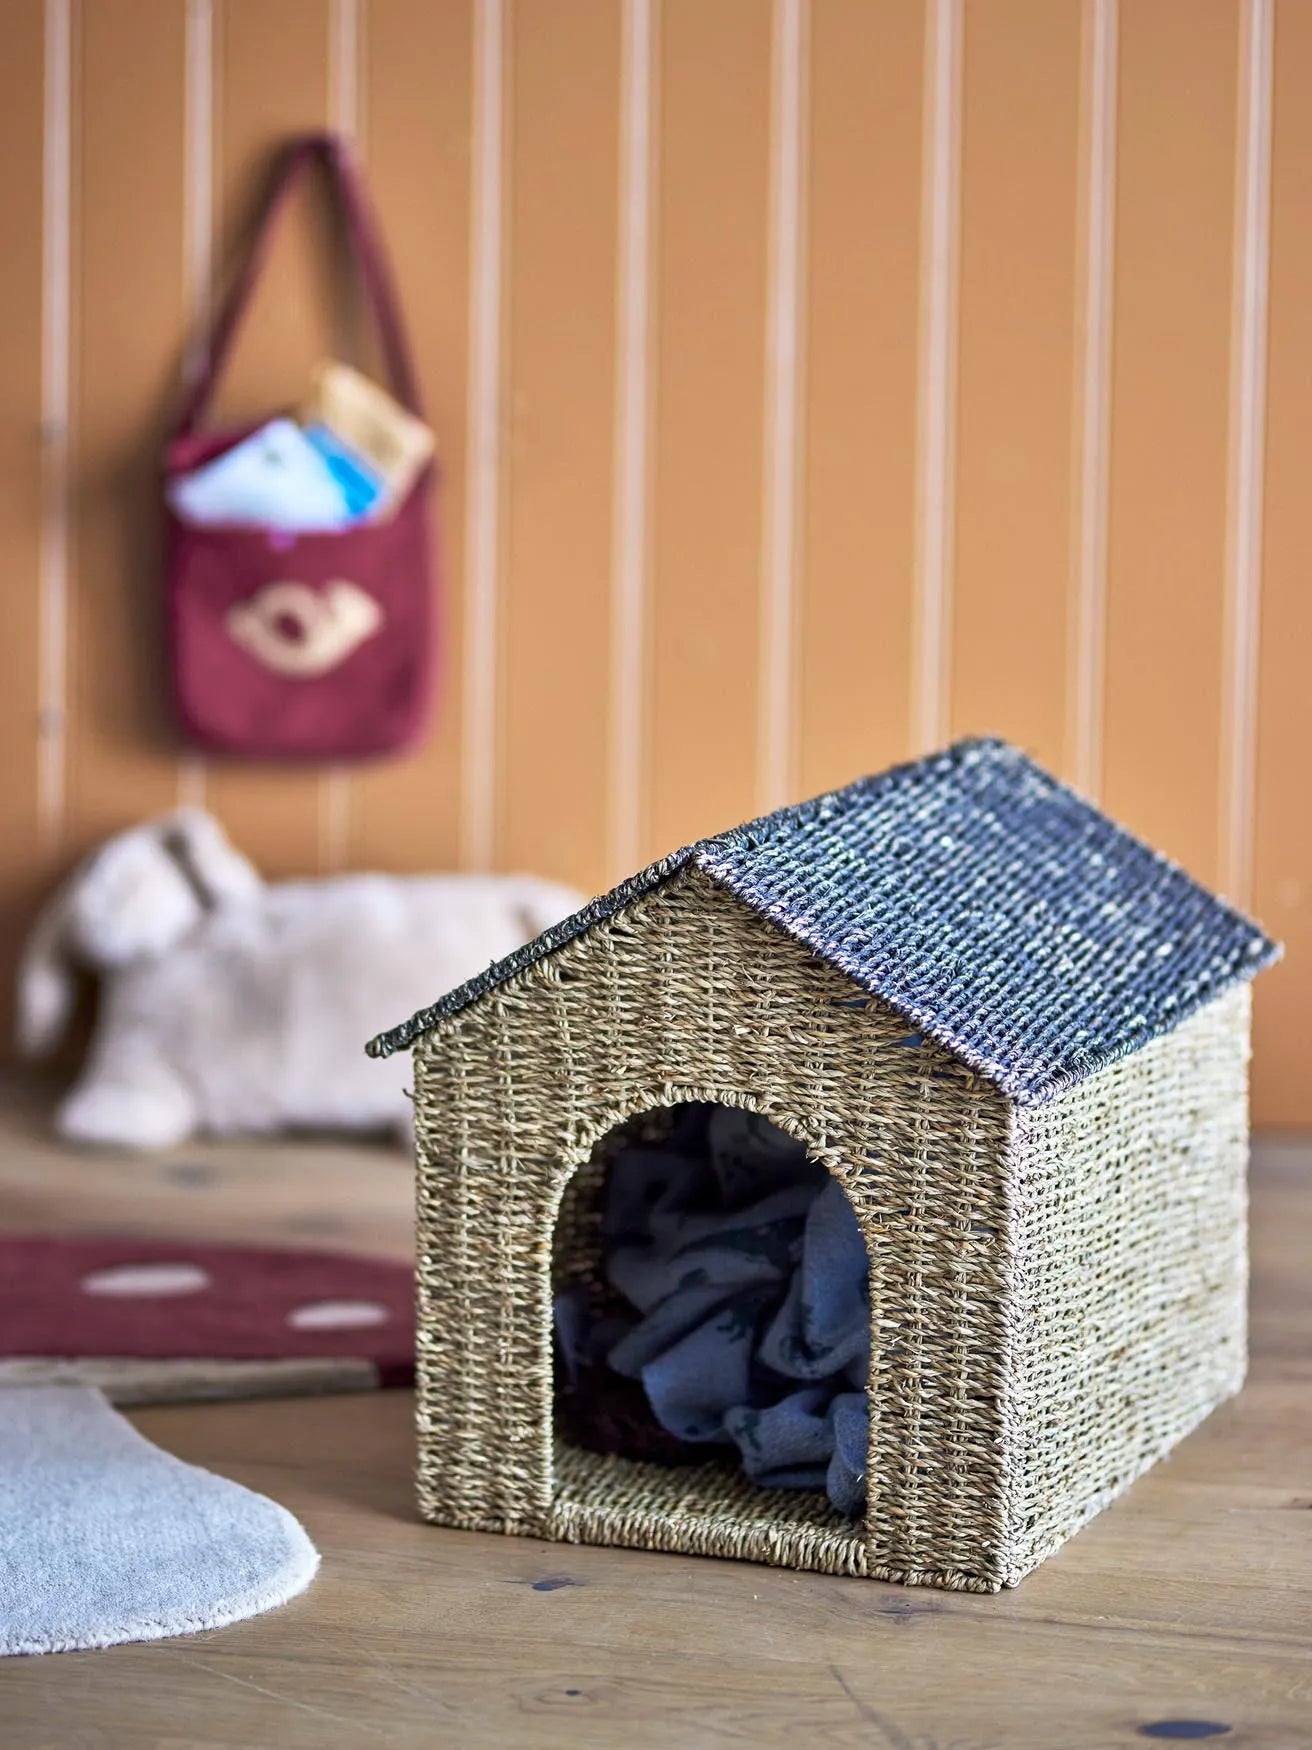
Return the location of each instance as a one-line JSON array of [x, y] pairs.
[[1057, 1294], [1131, 1270]]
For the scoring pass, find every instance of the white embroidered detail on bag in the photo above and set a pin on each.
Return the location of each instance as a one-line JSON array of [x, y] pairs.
[[302, 632]]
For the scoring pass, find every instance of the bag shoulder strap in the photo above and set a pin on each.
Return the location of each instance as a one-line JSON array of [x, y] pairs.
[[367, 253]]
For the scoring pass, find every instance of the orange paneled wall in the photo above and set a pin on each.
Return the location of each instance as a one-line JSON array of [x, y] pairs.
[[814, 380]]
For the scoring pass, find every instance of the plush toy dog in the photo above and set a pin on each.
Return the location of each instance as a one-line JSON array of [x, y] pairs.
[[228, 1005]]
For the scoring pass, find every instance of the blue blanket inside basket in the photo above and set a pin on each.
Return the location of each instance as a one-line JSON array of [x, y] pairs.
[[742, 1278]]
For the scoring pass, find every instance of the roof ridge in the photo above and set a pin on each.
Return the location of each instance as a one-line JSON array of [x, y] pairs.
[[792, 816]]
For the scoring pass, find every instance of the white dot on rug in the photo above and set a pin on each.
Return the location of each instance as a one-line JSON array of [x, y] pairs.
[[337, 1315], [146, 1280]]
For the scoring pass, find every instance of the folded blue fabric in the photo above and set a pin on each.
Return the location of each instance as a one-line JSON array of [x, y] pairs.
[[743, 1280]]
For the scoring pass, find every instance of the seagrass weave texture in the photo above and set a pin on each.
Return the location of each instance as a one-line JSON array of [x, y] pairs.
[[1131, 1269], [1041, 1329]]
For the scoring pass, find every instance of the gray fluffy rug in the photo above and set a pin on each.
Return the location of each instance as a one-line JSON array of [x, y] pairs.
[[104, 1538]]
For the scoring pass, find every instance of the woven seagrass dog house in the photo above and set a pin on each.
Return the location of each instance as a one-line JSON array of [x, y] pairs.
[[1016, 1036]]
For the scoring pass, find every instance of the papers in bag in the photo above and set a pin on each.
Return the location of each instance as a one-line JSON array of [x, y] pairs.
[[276, 477], [352, 458], [364, 423]]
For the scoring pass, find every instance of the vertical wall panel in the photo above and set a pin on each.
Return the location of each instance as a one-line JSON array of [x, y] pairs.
[[1282, 1088], [936, 378], [712, 205], [22, 117], [1246, 466], [1178, 73], [416, 103], [272, 80], [785, 350], [562, 226], [486, 436], [1091, 395], [867, 80], [631, 496], [128, 309], [1021, 67]]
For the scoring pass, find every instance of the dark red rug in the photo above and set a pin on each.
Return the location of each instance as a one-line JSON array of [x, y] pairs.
[[148, 1301]]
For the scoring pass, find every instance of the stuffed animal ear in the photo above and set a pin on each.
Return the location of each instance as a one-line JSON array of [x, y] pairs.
[[46, 987], [130, 901], [133, 899], [216, 871]]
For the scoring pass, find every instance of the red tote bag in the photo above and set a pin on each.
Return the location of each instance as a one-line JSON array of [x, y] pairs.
[[339, 665]]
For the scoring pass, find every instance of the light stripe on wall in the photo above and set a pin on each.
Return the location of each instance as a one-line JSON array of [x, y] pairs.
[[936, 414], [1091, 448], [198, 176], [483, 509], [1243, 571], [55, 416], [198, 246], [344, 37], [776, 727], [630, 563], [344, 84]]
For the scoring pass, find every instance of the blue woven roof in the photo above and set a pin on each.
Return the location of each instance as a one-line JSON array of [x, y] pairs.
[[998, 911]]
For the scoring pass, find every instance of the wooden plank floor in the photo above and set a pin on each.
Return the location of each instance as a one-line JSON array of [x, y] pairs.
[[1188, 1601], [341, 1196]]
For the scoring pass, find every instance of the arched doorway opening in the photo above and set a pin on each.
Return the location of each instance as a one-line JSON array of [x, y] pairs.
[[711, 1313]]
